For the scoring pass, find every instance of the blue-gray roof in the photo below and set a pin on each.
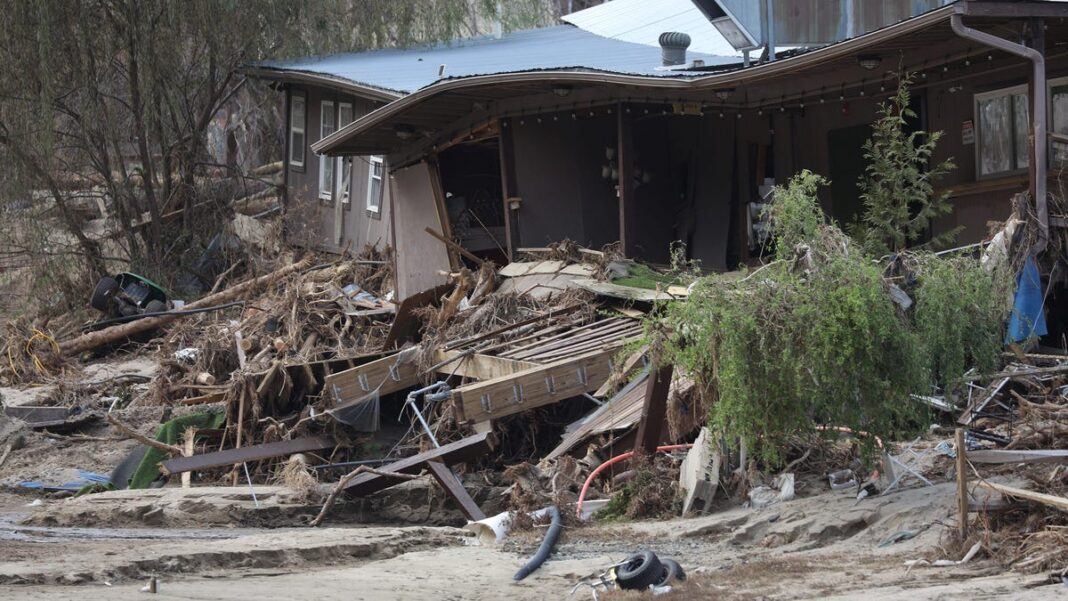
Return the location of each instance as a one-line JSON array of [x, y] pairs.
[[549, 48]]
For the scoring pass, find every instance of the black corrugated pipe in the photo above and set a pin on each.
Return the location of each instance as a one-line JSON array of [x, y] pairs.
[[1038, 111], [546, 546]]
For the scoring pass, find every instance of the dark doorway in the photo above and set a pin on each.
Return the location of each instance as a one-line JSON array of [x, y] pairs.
[[471, 183], [846, 150]]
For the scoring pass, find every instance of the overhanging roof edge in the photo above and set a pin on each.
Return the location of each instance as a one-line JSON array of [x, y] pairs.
[[293, 76]]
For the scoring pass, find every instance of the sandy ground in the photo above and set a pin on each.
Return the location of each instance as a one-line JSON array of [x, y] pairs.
[[826, 546]]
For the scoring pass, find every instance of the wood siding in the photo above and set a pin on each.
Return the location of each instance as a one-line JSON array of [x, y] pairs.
[[310, 221]]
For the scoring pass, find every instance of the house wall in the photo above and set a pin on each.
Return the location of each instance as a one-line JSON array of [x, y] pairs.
[[557, 172], [799, 140], [311, 221]]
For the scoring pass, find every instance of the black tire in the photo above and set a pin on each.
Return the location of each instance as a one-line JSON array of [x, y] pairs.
[[105, 288], [639, 571], [155, 306], [671, 570]]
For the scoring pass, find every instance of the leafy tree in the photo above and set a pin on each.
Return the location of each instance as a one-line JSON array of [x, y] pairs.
[[112, 100], [898, 186]]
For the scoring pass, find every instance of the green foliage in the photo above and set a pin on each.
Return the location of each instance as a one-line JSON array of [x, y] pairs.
[[959, 315], [898, 185], [815, 337]]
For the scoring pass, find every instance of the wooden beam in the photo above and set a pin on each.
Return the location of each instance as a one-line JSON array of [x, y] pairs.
[[454, 488], [452, 246], [534, 387], [654, 410], [461, 451], [251, 453], [388, 374], [962, 485], [480, 367], [1013, 456], [1054, 501]]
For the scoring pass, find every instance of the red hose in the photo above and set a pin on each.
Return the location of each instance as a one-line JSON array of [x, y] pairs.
[[613, 461]]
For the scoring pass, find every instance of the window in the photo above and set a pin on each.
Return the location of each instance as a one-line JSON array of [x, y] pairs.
[[1002, 144], [374, 184], [344, 117], [327, 126], [1058, 110], [297, 140]]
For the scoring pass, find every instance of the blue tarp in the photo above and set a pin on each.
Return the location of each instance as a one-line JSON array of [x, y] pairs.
[[84, 479], [1028, 319]]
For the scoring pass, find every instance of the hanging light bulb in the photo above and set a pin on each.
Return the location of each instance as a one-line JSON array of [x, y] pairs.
[[739, 115]]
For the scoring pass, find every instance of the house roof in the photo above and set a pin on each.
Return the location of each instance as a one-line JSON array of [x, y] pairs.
[[448, 109], [642, 22], [390, 73]]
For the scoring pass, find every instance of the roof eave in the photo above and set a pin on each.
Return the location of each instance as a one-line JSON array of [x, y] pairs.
[[335, 142], [292, 76]]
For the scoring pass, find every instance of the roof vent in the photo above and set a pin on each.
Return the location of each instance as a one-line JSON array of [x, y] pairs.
[[673, 45]]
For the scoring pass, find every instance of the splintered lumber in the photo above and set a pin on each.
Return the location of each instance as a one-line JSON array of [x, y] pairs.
[[454, 488], [535, 387], [654, 410], [962, 484], [479, 367], [252, 453], [332, 497], [461, 451], [123, 331], [214, 397], [454, 246], [388, 374], [1054, 501], [141, 438]]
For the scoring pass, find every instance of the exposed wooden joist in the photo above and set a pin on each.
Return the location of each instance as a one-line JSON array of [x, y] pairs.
[[386, 375], [533, 387], [480, 367]]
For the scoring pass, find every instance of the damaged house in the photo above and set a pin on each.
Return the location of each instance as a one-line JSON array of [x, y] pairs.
[[502, 153]]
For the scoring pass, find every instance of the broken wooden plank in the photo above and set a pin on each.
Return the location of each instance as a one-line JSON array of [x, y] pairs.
[[1018, 456], [1054, 501], [533, 387], [480, 367], [386, 375], [251, 453], [623, 292], [214, 397], [450, 482], [406, 324], [654, 410], [461, 451], [36, 415]]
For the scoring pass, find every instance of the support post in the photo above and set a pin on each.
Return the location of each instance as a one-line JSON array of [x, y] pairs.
[[962, 485], [623, 192], [654, 410]]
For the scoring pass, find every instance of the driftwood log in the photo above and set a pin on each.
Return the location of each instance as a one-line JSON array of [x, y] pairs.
[[120, 332]]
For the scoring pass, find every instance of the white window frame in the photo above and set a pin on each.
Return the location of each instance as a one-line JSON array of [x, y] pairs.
[[979, 130], [374, 205], [343, 170], [298, 126], [1054, 83], [326, 190]]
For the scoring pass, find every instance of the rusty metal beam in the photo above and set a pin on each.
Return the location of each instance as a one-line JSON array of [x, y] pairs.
[[461, 451], [253, 453]]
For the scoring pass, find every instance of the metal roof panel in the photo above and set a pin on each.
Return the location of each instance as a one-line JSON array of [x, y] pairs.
[[559, 47]]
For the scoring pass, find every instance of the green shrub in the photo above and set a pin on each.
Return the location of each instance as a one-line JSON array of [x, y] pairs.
[[815, 337]]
